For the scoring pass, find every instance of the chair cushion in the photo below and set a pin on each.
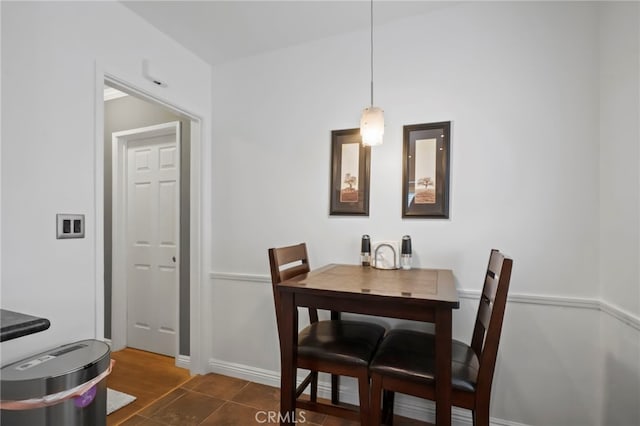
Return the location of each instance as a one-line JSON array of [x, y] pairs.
[[342, 341], [410, 355]]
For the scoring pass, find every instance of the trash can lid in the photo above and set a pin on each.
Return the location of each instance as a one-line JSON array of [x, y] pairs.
[[55, 370]]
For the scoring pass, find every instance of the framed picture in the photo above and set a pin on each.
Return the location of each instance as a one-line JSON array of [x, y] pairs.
[[425, 170], [350, 168]]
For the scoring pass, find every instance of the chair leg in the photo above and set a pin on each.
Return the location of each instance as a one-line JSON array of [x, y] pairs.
[[388, 398], [376, 400], [335, 389], [481, 415], [364, 394], [314, 387]]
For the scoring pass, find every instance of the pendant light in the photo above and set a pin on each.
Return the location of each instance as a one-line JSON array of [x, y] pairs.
[[372, 120]]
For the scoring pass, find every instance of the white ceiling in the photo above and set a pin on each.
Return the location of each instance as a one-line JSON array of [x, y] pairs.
[[221, 31]]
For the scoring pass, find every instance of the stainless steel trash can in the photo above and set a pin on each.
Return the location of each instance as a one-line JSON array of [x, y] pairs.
[[64, 386]]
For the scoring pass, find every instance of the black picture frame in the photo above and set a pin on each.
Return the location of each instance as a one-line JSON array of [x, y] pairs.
[[350, 173], [425, 163]]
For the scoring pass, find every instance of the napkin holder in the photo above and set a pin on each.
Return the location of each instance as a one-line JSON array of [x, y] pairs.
[[385, 255]]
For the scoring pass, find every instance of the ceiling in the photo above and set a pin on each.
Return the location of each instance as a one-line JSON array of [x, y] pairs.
[[222, 31]]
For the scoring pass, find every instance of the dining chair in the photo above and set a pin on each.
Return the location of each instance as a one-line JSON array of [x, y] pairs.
[[405, 360], [338, 347]]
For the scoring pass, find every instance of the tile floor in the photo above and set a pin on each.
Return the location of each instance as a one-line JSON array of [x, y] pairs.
[[218, 400]]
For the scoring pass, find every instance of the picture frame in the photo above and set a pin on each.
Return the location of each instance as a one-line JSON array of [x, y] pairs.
[[350, 173], [425, 170]]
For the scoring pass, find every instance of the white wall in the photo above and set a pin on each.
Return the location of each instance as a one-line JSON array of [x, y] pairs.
[[535, 172], [523, 102], [520, 83], [620, 209], [50, 52]]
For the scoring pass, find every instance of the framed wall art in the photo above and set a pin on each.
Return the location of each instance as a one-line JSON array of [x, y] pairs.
[[350, 170], [425, 170]]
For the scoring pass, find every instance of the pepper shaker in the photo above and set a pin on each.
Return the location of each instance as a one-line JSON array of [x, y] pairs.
[[405, 258]]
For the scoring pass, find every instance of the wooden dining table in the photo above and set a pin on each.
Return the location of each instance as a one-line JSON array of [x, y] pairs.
[[427, 295]]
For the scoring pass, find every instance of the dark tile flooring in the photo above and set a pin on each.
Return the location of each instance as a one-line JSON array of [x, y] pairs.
[[219, 400]]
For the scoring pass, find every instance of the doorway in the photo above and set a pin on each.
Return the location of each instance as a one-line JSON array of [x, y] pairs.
[[122, 113], [146, 238]]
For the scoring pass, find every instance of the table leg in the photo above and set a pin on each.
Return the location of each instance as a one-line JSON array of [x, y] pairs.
[[443, 366], [288, 355], [335, 379], [335, 389]]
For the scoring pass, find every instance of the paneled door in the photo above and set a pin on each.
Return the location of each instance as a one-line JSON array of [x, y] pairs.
[[151, 227]]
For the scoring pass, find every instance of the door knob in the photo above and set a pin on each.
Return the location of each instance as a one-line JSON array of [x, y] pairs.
[[174, 259]]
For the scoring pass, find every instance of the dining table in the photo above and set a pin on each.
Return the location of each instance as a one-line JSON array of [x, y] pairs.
[[418, 294]]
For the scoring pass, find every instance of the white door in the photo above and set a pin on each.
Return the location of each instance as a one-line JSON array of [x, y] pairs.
[[150, 220]]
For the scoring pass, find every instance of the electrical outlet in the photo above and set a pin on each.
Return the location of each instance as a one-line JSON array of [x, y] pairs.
[[69, 226]]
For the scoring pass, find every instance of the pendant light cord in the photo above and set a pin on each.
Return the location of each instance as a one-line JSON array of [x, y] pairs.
[[371, 52]]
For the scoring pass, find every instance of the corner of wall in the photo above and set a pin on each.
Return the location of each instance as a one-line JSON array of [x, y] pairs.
[[619, 204]]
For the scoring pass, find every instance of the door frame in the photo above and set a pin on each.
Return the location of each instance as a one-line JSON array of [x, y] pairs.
[[200, 207], [119, 284]]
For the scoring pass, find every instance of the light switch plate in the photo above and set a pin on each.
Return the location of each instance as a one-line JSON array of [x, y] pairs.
[[69, 226]]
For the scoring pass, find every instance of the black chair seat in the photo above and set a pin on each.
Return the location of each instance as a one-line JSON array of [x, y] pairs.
[[343, 341], [410, 355]]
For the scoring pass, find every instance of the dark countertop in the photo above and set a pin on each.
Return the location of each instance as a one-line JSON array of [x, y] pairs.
[[15, 324]]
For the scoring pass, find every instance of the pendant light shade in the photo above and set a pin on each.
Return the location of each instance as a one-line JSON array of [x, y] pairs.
[[372, 126], [372, 120]]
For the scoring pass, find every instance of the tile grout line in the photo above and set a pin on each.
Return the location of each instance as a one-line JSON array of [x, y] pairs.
[[154, 401], [181, 386], [224, 402], [211, 396], [228, 401]]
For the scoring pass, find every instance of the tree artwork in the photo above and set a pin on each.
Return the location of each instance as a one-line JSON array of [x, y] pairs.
[[350, 180], [349, 194], [428, 194], [425, 181]]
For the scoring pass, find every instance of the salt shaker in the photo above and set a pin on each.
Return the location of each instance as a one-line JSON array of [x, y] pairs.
[[365, 251]]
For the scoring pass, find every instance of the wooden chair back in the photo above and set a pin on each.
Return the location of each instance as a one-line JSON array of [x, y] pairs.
[[489, 320], [286, 263]]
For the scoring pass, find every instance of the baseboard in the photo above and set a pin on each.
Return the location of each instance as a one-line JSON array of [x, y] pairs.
[[245, 372], [183, 361], [404, 406], [272, 378]]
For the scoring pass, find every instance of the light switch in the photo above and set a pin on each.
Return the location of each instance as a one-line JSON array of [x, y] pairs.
[[69, 226]]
